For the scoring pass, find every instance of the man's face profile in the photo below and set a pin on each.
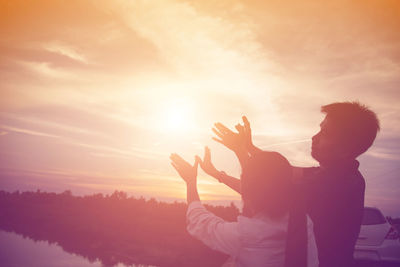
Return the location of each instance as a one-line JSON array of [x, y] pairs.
[[326, 145]]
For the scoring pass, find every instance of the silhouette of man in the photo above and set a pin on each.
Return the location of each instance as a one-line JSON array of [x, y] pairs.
[[333, 193]]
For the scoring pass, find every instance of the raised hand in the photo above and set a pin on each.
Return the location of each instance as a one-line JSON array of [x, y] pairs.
[[245, 131], [206, 163], [227, 137], [184, 168], [238, 142]]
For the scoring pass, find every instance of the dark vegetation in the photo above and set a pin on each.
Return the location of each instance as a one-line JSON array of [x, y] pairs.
[[115, 228], [395, 222], [112, 228]]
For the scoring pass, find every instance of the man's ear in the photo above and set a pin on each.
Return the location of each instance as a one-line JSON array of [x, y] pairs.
[[348, 150]]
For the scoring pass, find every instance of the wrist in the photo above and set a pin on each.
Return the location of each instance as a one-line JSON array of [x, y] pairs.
[[241, 152], [220, 176], [253, 149], [214, 173], [191, 184]]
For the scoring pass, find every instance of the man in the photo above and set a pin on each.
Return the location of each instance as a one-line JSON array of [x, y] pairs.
[[333, 193]]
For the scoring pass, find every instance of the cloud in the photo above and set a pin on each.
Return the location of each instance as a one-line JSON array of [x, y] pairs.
[[67, 51], [388, 155], [27, 131], [132, 152], [45, 68]]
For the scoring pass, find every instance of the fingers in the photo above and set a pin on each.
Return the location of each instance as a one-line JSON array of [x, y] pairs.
[[178, 160], [220, 135], [196, 163], [222, 128], [239, 128], [197, 158], [207, 154], [219, 141], [201, 162], [175, 166], [246, 121]]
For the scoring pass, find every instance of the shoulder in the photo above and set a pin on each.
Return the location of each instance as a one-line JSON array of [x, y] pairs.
[[263, 228]]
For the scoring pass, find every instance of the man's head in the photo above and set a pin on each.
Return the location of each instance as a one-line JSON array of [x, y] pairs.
[[347, 131]]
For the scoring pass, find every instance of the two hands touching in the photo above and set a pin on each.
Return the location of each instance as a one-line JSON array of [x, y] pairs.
[[188, 172], [239, 142]]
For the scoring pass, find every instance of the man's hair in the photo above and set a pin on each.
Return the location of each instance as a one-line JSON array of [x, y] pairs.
[[356, 125], [266, 183]]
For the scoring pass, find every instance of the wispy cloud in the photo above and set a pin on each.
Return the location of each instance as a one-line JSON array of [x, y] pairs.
[[67, 51], [46, 69], [27, 131], [50, 124]]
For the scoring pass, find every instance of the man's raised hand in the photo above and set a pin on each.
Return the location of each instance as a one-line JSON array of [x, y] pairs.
[[246, 132], [238, 142], [227, 137]]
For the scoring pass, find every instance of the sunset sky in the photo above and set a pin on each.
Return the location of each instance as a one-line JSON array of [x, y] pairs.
[[95, 95]]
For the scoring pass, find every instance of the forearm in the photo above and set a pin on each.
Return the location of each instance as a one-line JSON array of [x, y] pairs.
[[192, 193], [243, 156], [230, 181], [254, 150]]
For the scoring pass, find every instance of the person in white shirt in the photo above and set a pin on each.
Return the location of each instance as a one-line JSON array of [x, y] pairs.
[[258, 237]]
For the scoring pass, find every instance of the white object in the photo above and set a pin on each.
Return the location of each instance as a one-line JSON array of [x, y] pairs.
[[378, 240], [256, 241]]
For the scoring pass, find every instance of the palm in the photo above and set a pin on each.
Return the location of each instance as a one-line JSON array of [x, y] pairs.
[[185, 169]]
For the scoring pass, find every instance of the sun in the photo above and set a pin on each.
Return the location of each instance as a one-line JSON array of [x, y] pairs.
[[178, 116]]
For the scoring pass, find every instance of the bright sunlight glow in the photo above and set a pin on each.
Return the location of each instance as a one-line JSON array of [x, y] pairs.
[[178, 116]]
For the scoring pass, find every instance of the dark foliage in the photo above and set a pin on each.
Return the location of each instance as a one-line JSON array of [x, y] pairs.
[[111, 228], [395, 222]]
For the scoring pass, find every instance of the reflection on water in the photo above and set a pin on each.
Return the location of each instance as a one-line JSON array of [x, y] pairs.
[[16, 250], [108, 230]]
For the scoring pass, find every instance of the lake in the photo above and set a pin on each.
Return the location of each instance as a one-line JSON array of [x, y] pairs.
[[19, 251]]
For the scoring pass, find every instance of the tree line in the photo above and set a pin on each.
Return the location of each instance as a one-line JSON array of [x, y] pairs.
[[111, 228]]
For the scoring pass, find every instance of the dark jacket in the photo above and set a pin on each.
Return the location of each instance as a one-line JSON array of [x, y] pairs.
[[334, 200]]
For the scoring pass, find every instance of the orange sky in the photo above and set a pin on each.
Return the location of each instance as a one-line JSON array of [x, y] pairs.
[[95, 95]]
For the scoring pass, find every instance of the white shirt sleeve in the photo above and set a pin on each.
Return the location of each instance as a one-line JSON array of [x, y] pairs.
[[212, 230]]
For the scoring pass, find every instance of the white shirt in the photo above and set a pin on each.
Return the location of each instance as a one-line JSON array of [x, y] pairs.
[[257, 241]]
